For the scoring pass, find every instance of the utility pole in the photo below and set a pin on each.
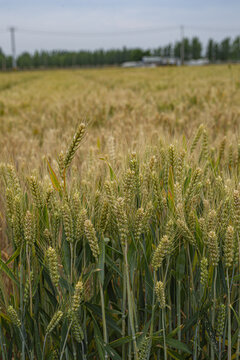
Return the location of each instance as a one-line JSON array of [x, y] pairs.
[[213, 52], [13, 46], [239, 48], [182, 44]]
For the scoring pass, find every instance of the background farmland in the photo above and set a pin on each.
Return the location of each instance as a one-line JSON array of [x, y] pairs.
[[40, 110]]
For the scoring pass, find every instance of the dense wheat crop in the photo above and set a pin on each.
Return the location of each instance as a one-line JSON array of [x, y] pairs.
[[121, 241]]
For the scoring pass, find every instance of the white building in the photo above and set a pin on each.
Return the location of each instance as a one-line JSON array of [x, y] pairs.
[[197, 62], [160, 60], [130, 64]]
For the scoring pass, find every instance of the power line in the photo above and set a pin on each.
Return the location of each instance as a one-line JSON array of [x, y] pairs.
[[124, 32], [132, 31], [96, 34], [213, 28]]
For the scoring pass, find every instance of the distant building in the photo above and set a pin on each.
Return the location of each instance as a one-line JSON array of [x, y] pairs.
[[160, 60], [153, 61], [197, 62], [130, 64]]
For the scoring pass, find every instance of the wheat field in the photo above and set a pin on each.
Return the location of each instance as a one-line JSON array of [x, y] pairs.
[[120, 214]]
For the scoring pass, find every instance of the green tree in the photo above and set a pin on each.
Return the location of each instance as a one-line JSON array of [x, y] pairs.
[[196, 48], [36, 59], [216, 51], [2, 60], [235, 49], [157, 52], [210, 50], [177, 49], [24, 60], [225, 49], [136, 54], [187, 49]]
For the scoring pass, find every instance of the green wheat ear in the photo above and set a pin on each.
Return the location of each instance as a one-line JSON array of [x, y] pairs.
[[13, 316], [54, 321], [213, 248], [67, 222], [53, 265], [74, 145], [196, 138], [77, 296], [160, 252], [104, 216], [92, 239], [128, 186], [61, 165], [27, 288], [77, 331], [236, 214], [221, 319], [205, 145], [139, 223], [36, 191], [172, 157], [122, 221], [204, 271], [159, 289], [222, 148], [228, 247], [29, 229], [144, 348], [17, 221]]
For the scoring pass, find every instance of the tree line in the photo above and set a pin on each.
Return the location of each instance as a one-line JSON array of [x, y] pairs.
[[226, 50]]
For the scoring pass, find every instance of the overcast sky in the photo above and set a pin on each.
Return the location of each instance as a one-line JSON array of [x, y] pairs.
[[113, 23]]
